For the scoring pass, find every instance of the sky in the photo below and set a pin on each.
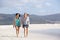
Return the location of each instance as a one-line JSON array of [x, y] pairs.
[[37, 7]]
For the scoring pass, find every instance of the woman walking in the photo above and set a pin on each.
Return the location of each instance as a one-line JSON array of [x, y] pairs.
[[17, 23], [26, 24]]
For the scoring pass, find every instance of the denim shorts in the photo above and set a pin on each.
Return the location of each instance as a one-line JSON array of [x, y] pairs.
[[25, 26]]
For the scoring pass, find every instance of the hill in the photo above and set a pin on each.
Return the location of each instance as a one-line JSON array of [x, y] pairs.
[[7, 19]]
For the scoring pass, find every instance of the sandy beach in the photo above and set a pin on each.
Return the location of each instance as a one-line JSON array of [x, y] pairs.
[[36, 32]]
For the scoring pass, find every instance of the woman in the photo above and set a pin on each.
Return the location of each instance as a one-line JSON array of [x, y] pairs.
[[17, 23], [25, 24]]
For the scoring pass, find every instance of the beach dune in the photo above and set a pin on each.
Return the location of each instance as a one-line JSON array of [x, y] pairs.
[[36, 32]]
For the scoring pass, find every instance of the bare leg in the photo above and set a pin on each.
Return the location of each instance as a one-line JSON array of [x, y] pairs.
[[26, 31], [17, 31]]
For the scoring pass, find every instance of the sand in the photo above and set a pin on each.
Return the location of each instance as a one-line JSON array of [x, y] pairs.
[[36, 32]]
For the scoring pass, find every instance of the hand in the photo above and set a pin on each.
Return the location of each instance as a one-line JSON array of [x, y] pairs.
[[13, 26], [28, 23]]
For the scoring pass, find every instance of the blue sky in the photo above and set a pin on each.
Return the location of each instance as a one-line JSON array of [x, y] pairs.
[[38, 7]]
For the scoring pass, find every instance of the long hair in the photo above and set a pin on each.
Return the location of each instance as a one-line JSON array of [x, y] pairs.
[[24, 16]]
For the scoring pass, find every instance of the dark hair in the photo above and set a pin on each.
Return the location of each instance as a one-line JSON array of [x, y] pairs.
[[24, 14], [28, 14], [17, 14]]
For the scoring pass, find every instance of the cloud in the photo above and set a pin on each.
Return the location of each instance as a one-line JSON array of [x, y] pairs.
[[32, 6], [39, 6], [25, 1], [41, 3], [13, 3], [20, 3], [48, 4], [38, 1], [12, 6]]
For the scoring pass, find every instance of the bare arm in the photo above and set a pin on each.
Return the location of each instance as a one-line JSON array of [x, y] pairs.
[[28, 20], [14, 23], [22, 21]]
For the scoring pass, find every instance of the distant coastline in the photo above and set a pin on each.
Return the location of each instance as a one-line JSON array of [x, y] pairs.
[[7, 19]]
